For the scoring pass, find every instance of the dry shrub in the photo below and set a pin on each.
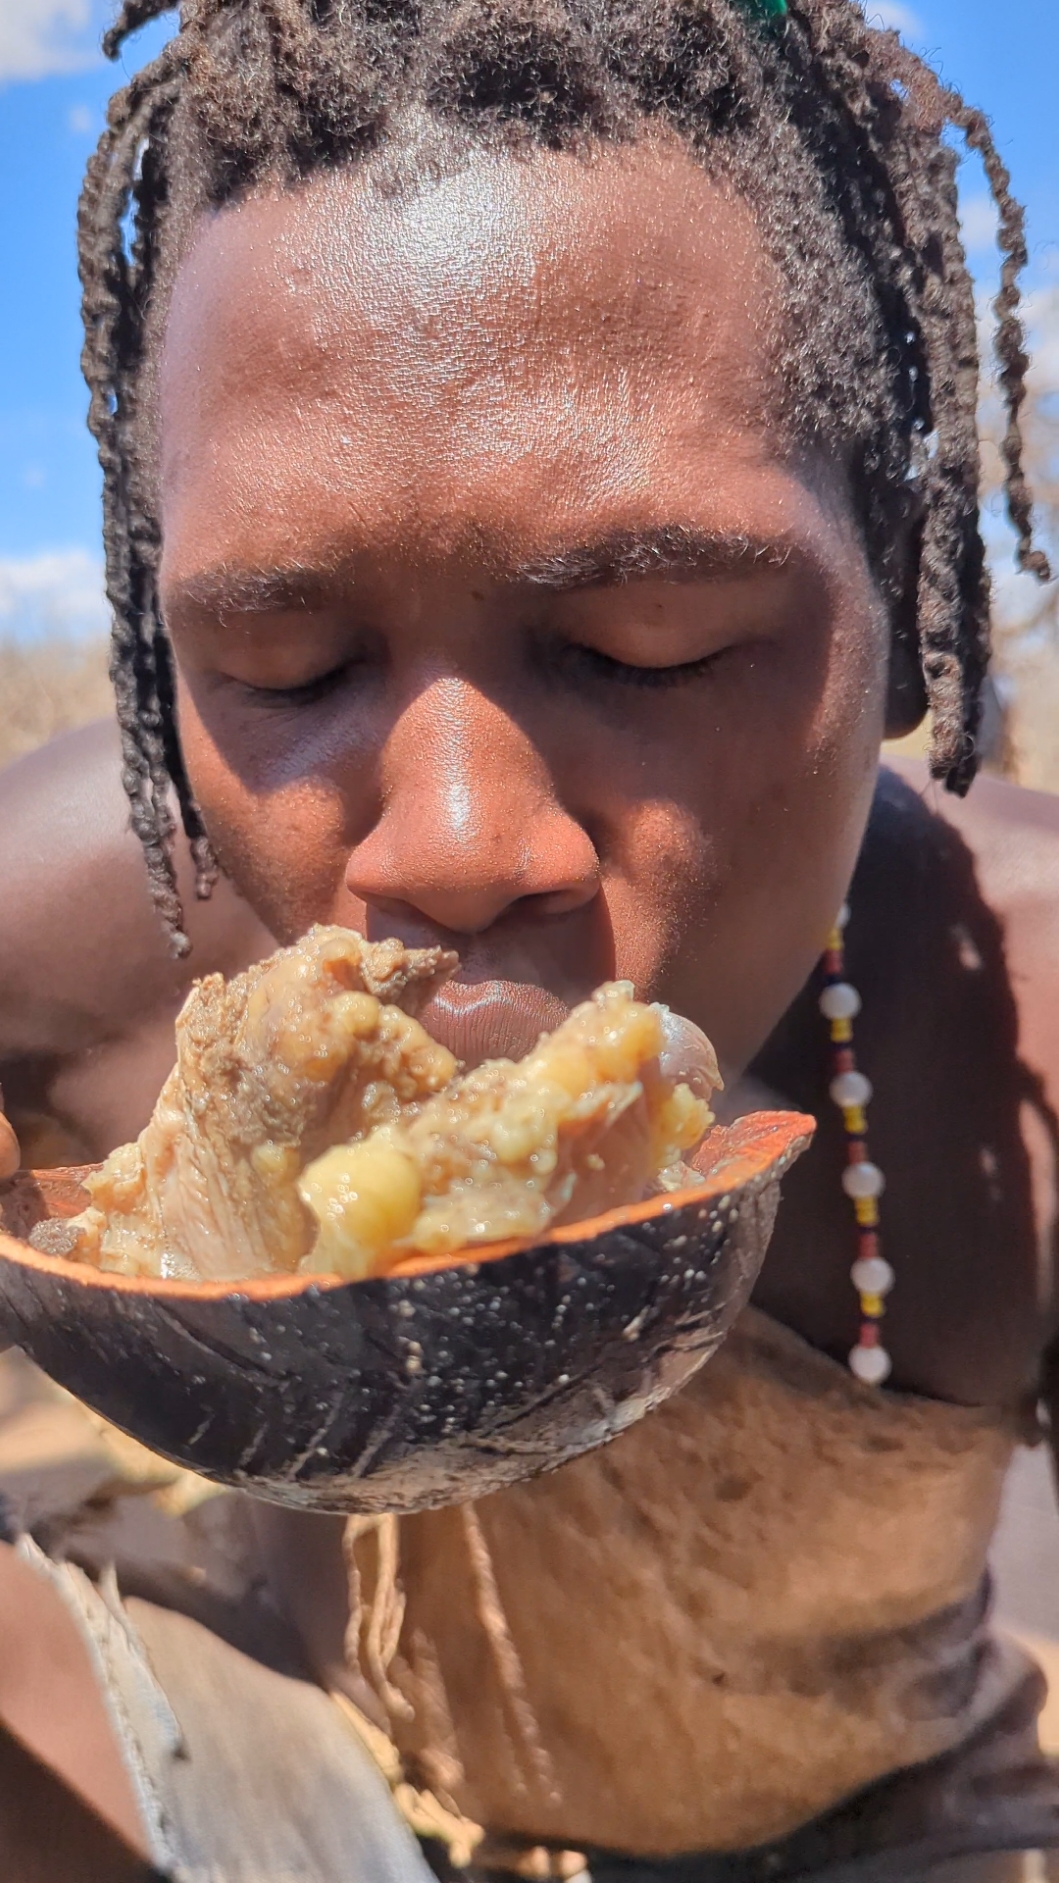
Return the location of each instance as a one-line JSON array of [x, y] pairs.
[[1026, 617], [47, 686]]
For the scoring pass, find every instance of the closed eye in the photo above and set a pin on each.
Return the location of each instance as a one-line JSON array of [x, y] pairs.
[[596, 665], [306, 694]]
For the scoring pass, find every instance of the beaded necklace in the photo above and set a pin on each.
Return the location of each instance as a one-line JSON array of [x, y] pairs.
[[862, 1180]]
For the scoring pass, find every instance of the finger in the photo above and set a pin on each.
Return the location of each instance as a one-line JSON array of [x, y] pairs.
[[9, 1152]]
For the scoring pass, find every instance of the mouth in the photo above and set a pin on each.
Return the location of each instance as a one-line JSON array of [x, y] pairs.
[[494, 1019], [497, 1019]]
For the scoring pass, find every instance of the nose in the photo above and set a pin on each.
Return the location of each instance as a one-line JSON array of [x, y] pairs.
[[470, 821]]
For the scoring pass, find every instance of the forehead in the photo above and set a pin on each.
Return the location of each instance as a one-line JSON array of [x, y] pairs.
[[515, 325]]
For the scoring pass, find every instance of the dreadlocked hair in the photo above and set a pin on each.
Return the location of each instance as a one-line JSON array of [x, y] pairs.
[[833, 131]]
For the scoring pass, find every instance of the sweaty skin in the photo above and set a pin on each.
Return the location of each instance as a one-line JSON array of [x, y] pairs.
[[441, 700]]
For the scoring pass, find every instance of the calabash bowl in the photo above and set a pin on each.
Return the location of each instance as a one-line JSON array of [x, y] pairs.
[[428, 1386]]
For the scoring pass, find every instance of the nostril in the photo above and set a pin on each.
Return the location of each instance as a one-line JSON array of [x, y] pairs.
[[467, 886], [562, 901], [471, 819]]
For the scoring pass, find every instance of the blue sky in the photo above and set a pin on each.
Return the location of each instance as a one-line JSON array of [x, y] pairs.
[[53, 92]]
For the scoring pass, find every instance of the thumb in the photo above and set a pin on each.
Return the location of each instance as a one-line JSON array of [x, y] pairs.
[[9, 1151]]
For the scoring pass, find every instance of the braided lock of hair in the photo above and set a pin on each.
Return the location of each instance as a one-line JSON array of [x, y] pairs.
[[833, 130], [125, 169]]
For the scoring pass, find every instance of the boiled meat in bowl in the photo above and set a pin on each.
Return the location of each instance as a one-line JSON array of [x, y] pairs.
[[312, 1124]]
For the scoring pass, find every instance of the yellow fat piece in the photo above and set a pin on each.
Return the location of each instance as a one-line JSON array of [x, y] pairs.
[[364, 1197]]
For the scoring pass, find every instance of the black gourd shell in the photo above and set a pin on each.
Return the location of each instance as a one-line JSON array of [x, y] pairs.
[[427, 1386]]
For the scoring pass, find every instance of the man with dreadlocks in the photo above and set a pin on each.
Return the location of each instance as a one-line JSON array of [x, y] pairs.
[[540, 469]]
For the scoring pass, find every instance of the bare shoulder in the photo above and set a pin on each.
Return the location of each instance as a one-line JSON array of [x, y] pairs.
[[88, 986], [1013, 836], [1012, 832], [953, 945], [76, 924], [80, 944]]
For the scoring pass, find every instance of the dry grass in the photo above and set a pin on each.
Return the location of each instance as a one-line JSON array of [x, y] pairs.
[[1034, 726], [46, 687]]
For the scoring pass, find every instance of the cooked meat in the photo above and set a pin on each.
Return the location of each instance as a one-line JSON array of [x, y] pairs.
[[311, 1121], [315, 1045], [584, 1122]]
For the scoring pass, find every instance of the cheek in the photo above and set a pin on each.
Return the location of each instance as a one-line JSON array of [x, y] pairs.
[[656, 881], [281, 834], [728, 867]]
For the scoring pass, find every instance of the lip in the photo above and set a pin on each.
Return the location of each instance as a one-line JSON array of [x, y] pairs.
[[496, 1019], [493, 1019]]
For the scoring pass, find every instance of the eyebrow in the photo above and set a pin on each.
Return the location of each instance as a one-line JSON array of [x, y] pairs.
[[670, 551], [251, 591]]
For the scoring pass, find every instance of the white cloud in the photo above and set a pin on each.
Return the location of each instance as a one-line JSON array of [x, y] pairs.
[[895, 15], [1019, 601], [59, 592], [1041, 314], [978, 222], [40, 37], [80, 120], [1016, 596]]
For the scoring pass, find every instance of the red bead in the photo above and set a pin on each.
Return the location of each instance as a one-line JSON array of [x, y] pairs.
[[869, 1334], [833, 963], [843, 1060], [868, 1244], [856, 1151]]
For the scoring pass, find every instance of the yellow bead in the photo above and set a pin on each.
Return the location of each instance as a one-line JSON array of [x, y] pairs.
[[854, 1120], [841, 1032], [871, 1306], [834, 942], [867, 1210]]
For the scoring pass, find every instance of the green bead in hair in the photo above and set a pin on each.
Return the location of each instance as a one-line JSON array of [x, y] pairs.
[[768, 12]]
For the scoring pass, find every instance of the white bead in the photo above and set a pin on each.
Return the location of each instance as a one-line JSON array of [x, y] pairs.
[[850, 1088], [860, 1180], [839, 1002], [870, 1364], [872, 1276], [843, 916]]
